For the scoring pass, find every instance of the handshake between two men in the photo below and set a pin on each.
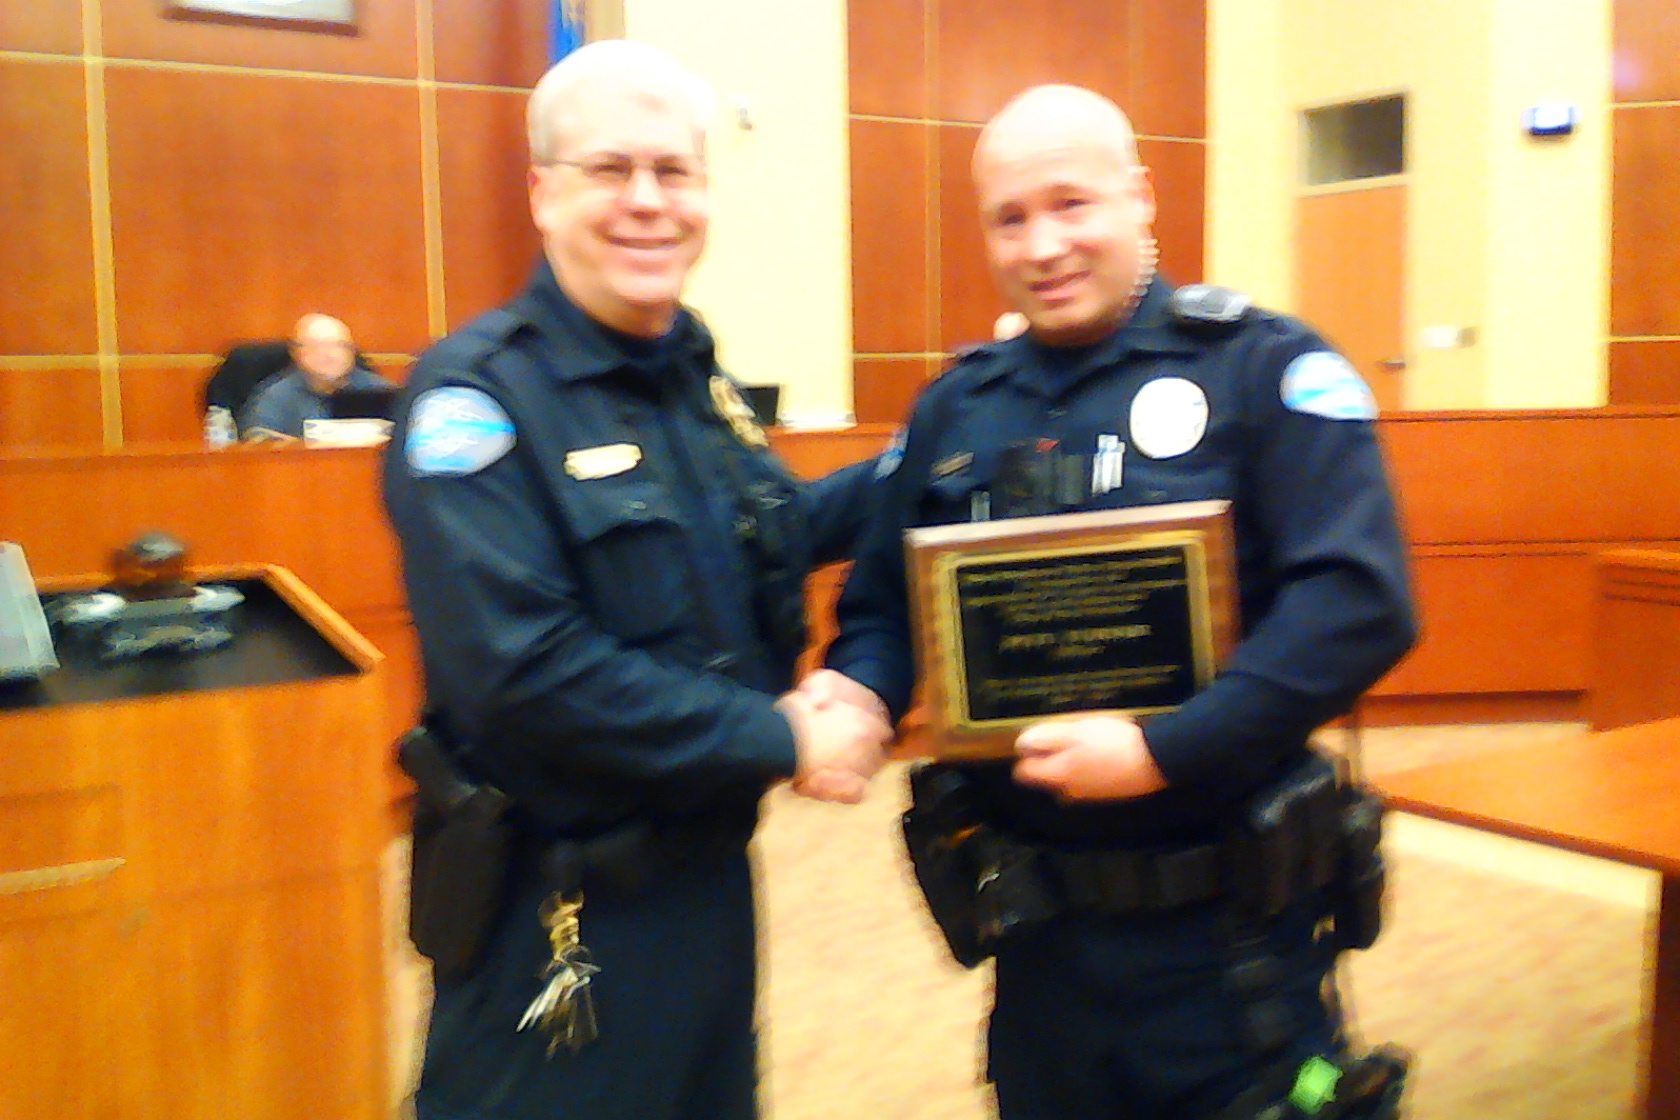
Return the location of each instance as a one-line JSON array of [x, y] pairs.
[[841, 731]]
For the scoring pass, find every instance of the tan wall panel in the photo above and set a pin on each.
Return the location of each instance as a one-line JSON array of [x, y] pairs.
[[489, 243], [968, 300], [49, 410], [1179, 171], [50, 26], [890, 236], [989, 50], [1646, 45], [883, 389], [46, 226], [383, 42], [491, 42], [1167, 68], [886, 59], [1645, 372], [164, 403], [240, 201], [1645, 196]]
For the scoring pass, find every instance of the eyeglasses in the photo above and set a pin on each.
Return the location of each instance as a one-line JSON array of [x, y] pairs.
[[614, 172]]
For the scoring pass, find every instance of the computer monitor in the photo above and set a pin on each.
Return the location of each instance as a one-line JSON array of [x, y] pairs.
[[764, 400], [362, 404]]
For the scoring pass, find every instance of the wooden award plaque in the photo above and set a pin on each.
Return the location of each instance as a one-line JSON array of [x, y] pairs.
[[1123, 610]]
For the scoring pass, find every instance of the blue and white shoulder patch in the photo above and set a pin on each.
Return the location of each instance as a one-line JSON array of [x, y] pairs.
[[891, 455], [455, 430], [1322, 383]]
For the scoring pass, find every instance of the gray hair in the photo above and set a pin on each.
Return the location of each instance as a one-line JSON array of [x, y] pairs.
[[658, 73]]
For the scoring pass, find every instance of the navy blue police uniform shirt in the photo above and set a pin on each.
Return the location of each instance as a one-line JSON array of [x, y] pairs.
[[1265, 415], [584, 604]]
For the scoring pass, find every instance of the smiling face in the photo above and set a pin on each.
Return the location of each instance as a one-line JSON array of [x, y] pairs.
[[1065, 210], [622, 250]]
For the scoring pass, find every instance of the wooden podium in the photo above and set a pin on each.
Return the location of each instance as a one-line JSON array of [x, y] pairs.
[[190, 920]]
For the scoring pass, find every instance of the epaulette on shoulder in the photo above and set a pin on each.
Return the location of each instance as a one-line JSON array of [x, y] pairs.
[[969, 354], [488, 333], [1208, 311]]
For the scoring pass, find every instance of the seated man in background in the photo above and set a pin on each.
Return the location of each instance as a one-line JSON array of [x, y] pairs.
[[324, 361]]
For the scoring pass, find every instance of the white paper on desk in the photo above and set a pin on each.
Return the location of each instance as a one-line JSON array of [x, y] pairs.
[[26, 649], [350, 432]]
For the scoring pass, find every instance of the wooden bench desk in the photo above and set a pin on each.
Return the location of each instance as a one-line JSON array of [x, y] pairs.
[[1612, 794]]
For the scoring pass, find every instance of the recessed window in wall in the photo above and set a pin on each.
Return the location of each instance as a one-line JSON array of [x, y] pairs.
[[1355, 140]]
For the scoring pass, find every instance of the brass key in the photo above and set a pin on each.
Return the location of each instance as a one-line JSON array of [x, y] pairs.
[[565, 1007]]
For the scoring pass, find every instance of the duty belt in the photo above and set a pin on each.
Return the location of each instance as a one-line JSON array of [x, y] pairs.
[[1119, 881]]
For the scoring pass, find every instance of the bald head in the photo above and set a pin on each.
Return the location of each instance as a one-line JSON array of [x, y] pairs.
[[614, 69], [1057, 116], [324, 350]]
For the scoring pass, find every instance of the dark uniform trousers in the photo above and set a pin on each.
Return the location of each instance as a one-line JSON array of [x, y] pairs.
[[1105, 1018], [683, 1007]]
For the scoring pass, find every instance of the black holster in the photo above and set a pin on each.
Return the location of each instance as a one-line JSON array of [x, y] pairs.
[[462, 844], [981, 885]]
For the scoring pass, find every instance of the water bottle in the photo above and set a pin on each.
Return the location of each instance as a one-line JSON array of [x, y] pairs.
[[219, 430]]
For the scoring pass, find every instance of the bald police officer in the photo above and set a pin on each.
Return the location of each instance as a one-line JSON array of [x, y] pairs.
[[1134, 991], [604, 565]]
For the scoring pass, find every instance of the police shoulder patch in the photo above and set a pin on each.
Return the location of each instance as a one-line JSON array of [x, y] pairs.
[[1323, 383], [891, 455], [456, 430]]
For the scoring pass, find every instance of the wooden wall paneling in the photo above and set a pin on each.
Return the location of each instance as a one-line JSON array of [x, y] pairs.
[[491, 42], [1635, 670], [1644, 197], [383, 43], [164, 403], [887, 58], [1532, 477], [968, 300], [1645, 44], [54, 1038], [351, 563], [1498, 621], [46, 218], [222, 809], [263, 1004], [883, 389], [890, 236], [1166, 70], [1179, 172], [987, 51], [392, 367], [1644, 371], [489, 242], [54, 409], [241, 201], [48, 26], [812, 454], [70, 514]]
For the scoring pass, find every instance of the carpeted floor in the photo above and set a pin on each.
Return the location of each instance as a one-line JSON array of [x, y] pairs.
[[1513, 972]]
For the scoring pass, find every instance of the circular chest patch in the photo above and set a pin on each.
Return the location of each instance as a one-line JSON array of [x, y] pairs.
[[1169, 417]]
